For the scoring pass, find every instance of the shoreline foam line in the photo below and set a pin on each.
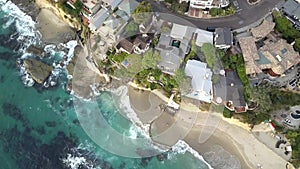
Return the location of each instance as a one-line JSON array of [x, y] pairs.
[[182, 147]]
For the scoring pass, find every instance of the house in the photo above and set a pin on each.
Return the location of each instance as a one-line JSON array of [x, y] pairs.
[[201, 81], [203, 36], [250, 55], [112, 4], [281, 57], [262, 30], [230, 92], [90, 8], [208, 4], [112, 27], [274, 57], [170, 55], [139, 45], [197, 6], [128, 6], [173, 47], [110, 30], [223, 38], [235, 92], [98, 19], [291, 9]]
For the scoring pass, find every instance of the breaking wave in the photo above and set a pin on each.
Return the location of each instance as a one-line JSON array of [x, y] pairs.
[[182, 147]]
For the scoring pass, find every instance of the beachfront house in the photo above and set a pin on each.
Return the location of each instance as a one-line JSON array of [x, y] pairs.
[[90, 8], [173, 47], [139, 45], [98, 19], [111, 4], [223, 38], [201, 81], [111, 29], [229, 91], [273, 57]]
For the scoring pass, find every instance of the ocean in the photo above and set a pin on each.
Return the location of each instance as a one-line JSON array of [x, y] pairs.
[[39, 126]]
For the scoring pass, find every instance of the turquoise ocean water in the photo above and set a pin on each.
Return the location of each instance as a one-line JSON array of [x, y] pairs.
[[39, 128]]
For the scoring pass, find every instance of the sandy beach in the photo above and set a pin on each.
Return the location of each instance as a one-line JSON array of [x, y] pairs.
[[234, 138], [52, 28], [208, 133]]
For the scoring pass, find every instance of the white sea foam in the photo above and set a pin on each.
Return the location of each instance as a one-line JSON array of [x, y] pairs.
[[61, 63], [138, 127], [24, 24], [50, 49], [182, 147], [76, 159], [25, 77], [7, 24], [125, 107], [74, 162], [71, 46]]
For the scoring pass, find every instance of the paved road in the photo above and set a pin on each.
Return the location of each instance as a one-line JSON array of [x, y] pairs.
[[246, 14]]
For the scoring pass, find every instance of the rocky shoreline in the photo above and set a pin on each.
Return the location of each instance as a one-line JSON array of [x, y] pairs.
[[28, 6], [38, 70], [53, 31]]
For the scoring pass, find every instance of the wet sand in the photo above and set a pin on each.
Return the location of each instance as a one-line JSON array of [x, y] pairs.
[[235, 138]]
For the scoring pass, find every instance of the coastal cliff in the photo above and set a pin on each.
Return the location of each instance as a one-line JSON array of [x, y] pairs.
[[72, 22]]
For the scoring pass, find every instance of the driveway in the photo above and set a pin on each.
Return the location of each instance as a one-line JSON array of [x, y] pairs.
[[246, 14]]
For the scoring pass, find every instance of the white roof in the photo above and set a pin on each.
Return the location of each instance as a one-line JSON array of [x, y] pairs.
[[90, 3], [113, 3], [98, 19], [204, 37], [288, 148], [178, 31], [201, 80]]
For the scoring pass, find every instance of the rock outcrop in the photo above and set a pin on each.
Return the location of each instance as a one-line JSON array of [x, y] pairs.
[[37, 69], [38, 51]]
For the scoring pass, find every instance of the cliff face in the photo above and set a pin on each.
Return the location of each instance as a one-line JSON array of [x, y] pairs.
[[37, 69], [72, 22]]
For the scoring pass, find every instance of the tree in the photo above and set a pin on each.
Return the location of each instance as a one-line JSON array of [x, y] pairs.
[[118, 57], [214, 11], [193, 52], [131, 29], [165, 29], [297, 45], [209, 52], [150, 59], [179, 7], [227, 113], [284, 26], [183, 82], [142, 13], [292, 135], [155, 41]]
